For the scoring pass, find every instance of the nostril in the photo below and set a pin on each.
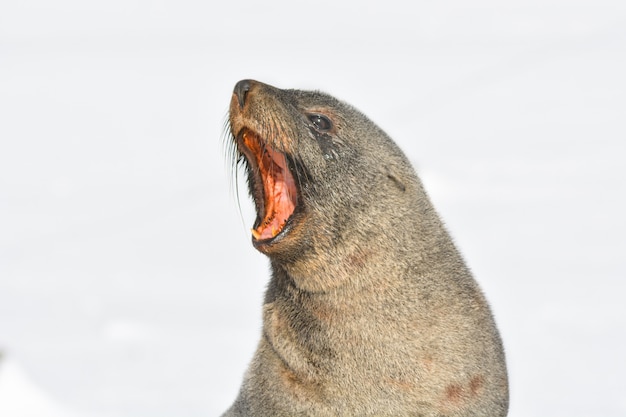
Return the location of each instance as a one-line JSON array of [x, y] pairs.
[[241, 90]]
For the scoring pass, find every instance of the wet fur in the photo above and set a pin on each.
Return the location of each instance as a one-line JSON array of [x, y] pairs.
[[370, 309]]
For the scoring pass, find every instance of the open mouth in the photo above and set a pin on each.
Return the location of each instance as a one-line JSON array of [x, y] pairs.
[[274, 181]]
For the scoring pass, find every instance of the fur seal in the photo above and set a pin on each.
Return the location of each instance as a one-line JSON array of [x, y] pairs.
[[370, 310]]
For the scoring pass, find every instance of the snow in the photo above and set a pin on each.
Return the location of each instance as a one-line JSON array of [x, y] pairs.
[[128, 285], [19, 397]]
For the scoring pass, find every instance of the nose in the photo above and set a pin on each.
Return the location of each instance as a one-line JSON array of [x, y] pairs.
[[241, 91]]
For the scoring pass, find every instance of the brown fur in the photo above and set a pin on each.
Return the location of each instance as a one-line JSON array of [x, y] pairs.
[[370, 310]]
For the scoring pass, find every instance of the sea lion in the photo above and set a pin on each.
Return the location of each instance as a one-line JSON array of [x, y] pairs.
[[370, 310]]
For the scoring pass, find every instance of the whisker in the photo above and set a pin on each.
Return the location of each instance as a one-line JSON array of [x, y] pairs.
[[234, 161]]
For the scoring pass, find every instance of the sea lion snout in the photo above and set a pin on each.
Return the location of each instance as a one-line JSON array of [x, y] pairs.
[[266, 147]]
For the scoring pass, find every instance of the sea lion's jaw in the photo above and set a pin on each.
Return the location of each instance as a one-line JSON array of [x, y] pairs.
[[274, 189]]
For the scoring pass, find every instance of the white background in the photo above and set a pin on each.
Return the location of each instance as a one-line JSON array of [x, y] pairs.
[[128, 285]]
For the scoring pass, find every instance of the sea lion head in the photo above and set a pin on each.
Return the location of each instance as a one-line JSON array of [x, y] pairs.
[[326, 181]]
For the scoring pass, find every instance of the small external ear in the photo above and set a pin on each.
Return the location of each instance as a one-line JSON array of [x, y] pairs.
[[394, 178]]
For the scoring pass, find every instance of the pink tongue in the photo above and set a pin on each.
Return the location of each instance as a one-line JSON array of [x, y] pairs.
[[280, 195]]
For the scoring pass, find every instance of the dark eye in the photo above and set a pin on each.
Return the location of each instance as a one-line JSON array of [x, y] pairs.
[[321, 123]]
